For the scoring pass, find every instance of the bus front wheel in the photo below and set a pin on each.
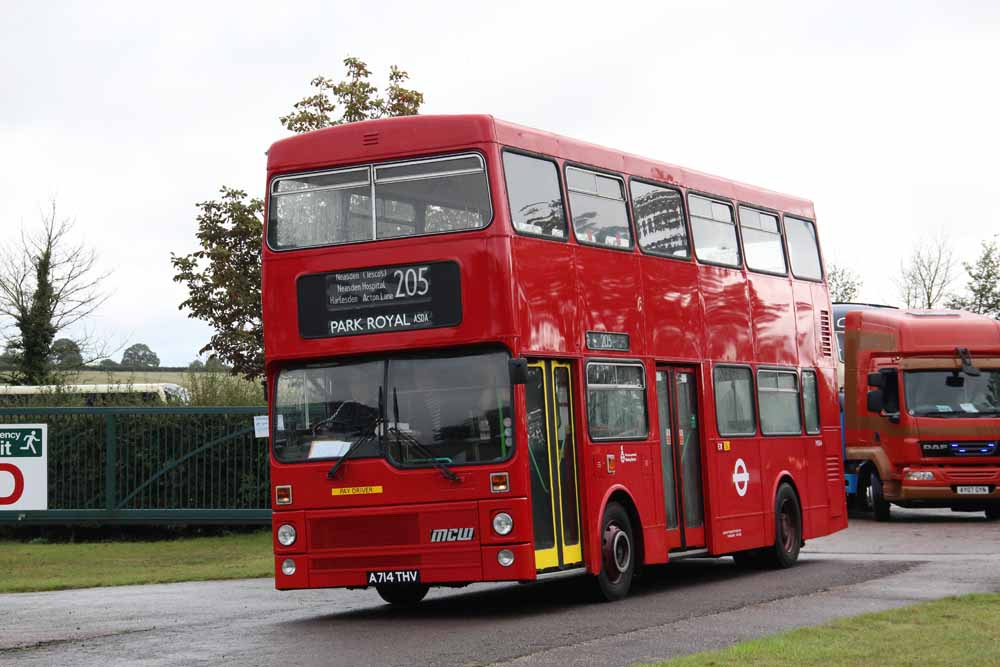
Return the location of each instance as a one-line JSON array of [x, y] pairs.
[[405, 595], [617, 553], [787, 529]]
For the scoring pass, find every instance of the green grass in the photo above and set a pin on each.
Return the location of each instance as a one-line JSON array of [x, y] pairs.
[[953, 631], [48, 567]]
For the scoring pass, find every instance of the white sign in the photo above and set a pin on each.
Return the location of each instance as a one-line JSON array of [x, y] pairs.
[[24, 470], [741, 478], [261, 426]]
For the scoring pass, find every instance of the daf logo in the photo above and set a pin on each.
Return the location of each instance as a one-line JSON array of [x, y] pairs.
[[452, 534], [935, 445]]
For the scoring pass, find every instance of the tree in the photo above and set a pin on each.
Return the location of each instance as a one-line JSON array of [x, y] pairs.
[[48, 283], [108, 364], [843, 283], [66, 354], [358, 97], [223, 276], [140, 356], [214, 364], [223, 279], [196, 365], [984, 283], [925, 278]]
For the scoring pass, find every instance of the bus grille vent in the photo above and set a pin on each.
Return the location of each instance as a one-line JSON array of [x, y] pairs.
[[369, 139], [833, 469], [825, 334]]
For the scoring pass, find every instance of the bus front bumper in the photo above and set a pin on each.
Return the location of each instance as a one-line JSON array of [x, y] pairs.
[[449, 543]]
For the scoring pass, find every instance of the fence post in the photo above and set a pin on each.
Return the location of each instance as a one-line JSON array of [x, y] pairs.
[[110, 461]]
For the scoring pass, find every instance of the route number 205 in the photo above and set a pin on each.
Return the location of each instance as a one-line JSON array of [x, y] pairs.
[[411, 282]]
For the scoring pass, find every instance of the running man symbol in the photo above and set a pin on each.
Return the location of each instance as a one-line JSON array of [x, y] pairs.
[[29, 443], [741, 478]]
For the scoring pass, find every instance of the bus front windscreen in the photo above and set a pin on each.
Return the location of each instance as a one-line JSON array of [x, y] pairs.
[[943, 393], [415, 411], [428, 196]]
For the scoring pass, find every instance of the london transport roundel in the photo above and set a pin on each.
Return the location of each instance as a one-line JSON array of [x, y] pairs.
[[741, 478]]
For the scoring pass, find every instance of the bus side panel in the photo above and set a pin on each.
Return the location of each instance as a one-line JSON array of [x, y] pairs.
[[545, 297], [727, 314], [773, 319], [675, 324]]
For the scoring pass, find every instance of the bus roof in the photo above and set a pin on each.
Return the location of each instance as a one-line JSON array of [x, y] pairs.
[[392, 138], [916, 331]]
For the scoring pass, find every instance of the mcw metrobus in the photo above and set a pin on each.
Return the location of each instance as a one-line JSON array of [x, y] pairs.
[[497, 354]]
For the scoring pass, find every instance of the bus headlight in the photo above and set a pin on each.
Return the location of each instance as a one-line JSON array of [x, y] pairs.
[[505, 557], [286, 535], [288, 567], [919, 475], [502, 523]]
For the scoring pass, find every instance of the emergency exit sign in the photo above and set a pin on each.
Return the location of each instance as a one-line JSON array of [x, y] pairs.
[[24, 475]]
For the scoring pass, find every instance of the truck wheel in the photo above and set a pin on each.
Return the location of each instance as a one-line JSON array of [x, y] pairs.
[[993, 512], [617, 554], [787, 529], [405, 595], [874, 500]]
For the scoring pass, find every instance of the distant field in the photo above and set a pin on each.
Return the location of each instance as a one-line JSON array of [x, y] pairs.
[[129, 377]]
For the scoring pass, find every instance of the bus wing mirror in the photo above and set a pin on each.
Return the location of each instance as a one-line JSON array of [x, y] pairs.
[[955, 380], [876, 400], [876, 380], [518, 371]]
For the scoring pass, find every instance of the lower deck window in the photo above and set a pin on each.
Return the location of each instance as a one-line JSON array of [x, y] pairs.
[[778, 396], [616, 401]]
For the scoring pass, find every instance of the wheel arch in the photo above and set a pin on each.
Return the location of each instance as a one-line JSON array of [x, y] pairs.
[[621, 495]]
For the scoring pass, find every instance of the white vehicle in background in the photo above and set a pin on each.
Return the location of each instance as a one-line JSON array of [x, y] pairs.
[[148, 393]]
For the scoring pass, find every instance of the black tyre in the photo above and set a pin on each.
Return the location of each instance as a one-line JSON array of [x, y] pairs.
[[403, 596], [618, 554], [787, 529], [993, 513], [875, 502]]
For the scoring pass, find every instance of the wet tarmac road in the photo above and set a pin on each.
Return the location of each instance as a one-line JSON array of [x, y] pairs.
[[686, 606]]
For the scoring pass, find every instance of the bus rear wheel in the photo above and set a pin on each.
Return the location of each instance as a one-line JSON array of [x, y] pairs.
[[787, 529], [875, 502], [405, 595], [617, 554]]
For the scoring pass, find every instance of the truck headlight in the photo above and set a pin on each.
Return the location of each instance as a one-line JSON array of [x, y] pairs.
[[919, 475]]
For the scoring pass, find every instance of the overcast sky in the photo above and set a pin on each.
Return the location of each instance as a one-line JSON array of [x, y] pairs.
[[884, 114]]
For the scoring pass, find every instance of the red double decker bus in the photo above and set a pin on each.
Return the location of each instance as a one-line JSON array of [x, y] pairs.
[[496, 354]]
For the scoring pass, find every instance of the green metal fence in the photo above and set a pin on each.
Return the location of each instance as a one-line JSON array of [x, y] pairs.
[[149, 465]]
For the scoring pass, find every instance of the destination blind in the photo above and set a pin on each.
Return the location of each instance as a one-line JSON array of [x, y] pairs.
[[379, 299]]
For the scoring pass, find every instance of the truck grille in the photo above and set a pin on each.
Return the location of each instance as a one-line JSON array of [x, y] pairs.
[[959, 448]]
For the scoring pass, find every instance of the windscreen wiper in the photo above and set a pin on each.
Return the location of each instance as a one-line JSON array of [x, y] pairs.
[[356, 444], [363, 439], [448, 473]]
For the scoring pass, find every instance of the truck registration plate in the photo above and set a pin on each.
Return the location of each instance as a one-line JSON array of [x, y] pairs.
[[973, 490]]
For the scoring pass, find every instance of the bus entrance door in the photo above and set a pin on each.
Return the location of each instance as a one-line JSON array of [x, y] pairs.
[[552, 457], [680, 455]]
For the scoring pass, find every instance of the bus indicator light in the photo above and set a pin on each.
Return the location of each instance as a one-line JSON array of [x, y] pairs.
[[500, 482]]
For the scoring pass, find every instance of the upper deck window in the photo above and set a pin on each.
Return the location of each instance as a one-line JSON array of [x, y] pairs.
[[659, 217], [411, 198], [762, 241], [536, 203], [714, 231], [597, 203], [803, 249]]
